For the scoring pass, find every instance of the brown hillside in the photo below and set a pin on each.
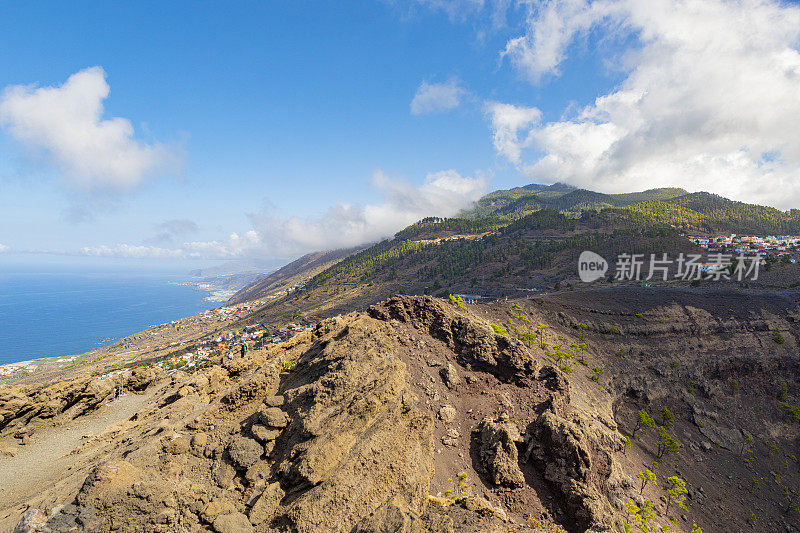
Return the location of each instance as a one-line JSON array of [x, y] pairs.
[[379, 421]]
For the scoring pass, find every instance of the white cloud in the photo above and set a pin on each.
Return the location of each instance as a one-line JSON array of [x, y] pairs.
[[443, 193], [235, 246], [133, 251], [66, 122], [506, 122], [551, 27], [709, 98], [437, 97], [4, 249]]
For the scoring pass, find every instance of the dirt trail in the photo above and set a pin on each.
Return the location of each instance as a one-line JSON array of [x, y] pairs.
[[47, 459]]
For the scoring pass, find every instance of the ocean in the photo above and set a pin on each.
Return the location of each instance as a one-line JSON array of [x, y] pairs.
[[55, 313]]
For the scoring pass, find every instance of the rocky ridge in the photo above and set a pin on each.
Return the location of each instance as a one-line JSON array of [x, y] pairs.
[[326, 432], [416, 415]]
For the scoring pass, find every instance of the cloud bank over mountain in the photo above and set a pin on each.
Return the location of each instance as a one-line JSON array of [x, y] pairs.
[[708, 100], [443, 193]]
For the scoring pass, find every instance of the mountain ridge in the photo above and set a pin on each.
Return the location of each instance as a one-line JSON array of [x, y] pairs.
[[509, 251]]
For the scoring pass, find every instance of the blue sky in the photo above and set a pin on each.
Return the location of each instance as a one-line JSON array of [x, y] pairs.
[[291, 125]]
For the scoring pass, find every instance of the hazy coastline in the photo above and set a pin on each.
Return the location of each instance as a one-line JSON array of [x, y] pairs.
[[58, 315]]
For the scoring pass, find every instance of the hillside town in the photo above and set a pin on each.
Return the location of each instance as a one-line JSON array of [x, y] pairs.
[[750, 245], [231, 344], [440, 240]]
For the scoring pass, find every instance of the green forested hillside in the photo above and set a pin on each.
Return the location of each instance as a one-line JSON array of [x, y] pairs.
[[537, 250], [520, 201], [709, 213], [525, 238], [517, 201], [581, 200], [675, 215], [533, 246], [693, 212], [435, 227]]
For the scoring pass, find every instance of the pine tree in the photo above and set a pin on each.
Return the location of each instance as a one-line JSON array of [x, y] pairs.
[[644, 420], [666, 443], [676, 489], [647, 477]]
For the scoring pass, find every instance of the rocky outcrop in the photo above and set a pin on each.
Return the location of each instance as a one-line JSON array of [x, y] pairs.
[[350, 406], [498, 450], [32, 520], [63, 519], [245, 452], [338, 441], [576, 460], [140, 378], [394, 516], [22, 404], [450, 376], [127, 497], [320, 448], [475, 343]]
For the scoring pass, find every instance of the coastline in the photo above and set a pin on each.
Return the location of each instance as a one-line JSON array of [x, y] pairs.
[[155, 343], [13, 370], [216, 293], [221, 287]]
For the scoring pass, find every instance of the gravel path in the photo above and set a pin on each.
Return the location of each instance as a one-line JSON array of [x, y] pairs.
[[47, 458]]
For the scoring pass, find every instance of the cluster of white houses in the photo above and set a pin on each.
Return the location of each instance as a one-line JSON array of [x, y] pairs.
[[749, 245], [231, 344]]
